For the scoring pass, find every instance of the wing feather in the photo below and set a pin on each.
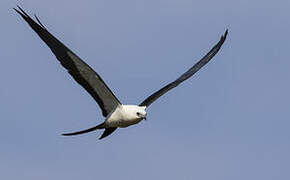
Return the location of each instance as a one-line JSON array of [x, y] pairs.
[[187, 74], [76, 67]]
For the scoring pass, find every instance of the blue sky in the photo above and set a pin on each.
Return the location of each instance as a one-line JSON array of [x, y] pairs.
[[230, 121]]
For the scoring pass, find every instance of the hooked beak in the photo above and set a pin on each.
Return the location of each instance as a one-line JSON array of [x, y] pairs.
[[145, 118]]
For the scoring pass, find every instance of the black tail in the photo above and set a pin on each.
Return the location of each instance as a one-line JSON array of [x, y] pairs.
[[107, 132], [100, 126]]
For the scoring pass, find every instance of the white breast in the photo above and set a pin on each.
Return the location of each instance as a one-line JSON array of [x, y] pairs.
[[124, 116]]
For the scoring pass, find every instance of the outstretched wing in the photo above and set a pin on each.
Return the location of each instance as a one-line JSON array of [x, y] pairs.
[[77, 68], [187, 74]]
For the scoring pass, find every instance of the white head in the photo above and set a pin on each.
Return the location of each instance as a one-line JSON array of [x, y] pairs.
[[135, 112], [141, 112]]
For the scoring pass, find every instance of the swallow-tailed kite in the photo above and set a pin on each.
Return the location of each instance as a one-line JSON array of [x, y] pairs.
[[117, 115]]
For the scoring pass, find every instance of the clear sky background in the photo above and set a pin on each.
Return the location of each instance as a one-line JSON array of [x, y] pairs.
[[230, 121]]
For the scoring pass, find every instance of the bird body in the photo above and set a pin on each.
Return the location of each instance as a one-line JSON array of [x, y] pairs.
[[125, 115], [116, 114]]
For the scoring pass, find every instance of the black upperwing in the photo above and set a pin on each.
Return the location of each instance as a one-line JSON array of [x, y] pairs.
[[76, 67], [187, 74]]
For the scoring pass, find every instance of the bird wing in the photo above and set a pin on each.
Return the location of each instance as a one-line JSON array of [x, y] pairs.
[[76, 67], [187, 74]]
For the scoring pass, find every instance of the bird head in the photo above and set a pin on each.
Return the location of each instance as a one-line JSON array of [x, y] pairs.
[[134, 112], [141, 112]]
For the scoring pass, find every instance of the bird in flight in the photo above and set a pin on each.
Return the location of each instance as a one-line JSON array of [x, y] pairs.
[[117, 115]]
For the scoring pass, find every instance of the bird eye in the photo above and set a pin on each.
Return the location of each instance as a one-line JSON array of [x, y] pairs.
[[138, 114]]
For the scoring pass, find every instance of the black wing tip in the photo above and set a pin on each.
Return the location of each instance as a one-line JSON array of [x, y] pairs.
[[223, 38], [26, 16], [39, 21], [185, 76], [21, 12], [226, 33]]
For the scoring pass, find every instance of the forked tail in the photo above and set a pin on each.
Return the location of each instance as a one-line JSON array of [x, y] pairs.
[[100, 126], [106, 133]]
